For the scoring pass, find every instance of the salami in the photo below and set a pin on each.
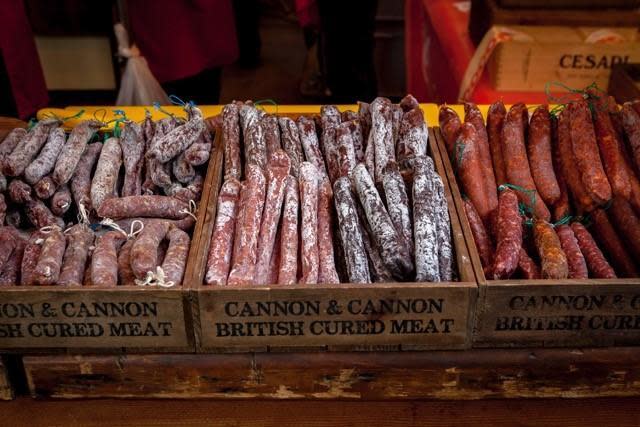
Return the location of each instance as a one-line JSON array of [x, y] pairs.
[[104, 262], [152, 165], [495, 120], [291, 142], [49, 263], [413, 136], [509, 236], [192, 191], [144, 252], [327, 272], [288, 267], [255, 146], [571, 248], [612, 245], [81, 180], [7, 245], [220, 250], [231, 141], [40, 216], [328, 145], [245, 245], [105, 178], [175, 260], [132, 146], [310, 144], [381, 136], [309, 184], [470, 172], [473, 115], [358, 139], [364, 114], [183, 171], [72, 150], [79, 241], [28, 147], [450, 126], [19, 192], [277, 172], [45, 188], [346, 150], [271, 134], [30, 258], [185, 223], [561, 208], [199, 152], [9, 143], [425, 221], [398, 203], [179, 139], [480, 236], [596, 262], [540, 158], [627, 223], [9, 275], [46, 160], [126, 276], [61, 200], [146, 206], [631, 125]]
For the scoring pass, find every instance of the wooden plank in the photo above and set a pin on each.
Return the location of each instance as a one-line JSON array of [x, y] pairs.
[[337, 317], [6, 391], [472, 374], [525, 313]]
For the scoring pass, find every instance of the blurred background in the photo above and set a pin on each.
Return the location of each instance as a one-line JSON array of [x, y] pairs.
[[64, 52]]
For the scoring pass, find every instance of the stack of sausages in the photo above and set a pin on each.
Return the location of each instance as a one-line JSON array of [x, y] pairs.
[[338, 197], [553, 196], [144, 183]]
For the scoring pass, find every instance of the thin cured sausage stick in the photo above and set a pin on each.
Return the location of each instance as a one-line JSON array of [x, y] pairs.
[[575, 259], [516, 162], [370, 158], [274, 263], [473, 115], [495, 120], [144, 206], [346, 150], [310, 144], [567, 163], [291, 141], [509, 236], [398, 203], [151, 178], [357, 138], [9, 276], [450, 126], [132, 145], [144, 252], [277, 172], [104, 261], [612, 245], [40, 216], [30, 258], [585, 151], [255, 147], [125, 272], [348, 115], [61, 200], [631, 125], [81, 179], [561, 208], [105, 178], [183, 171], [19, 192], [28, 147], [364, 114], [45, 188], [175, 260], [199, 152], [378, 271], [192, 191], [527, 267], [350, 232], [179, 139], [380, 135], [308, 184], [634, 184], [470, 172], [9, 143], [553, 259], [7, 245], [413, 137], [627, 223], [245, 245], [288, 268], [231, 142], [330, 121], [480, 236], [327, 272], [185, 223], [79, 240], [72, 150], [540, 158], [596, 262], [3, 209], [47, 269], [396, 119], [425, 221], [408, 103], [271, 132], [46, 160]]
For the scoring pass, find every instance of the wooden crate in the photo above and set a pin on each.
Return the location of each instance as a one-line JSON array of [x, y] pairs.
[[548, 313], [6, 391], [331, 317], [131, 318], [471, 374]]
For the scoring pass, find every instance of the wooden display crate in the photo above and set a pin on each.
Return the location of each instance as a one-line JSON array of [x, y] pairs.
[[527, 313], [335, 317]]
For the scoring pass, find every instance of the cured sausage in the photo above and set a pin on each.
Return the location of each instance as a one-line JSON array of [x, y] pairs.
[[291, 141], [310, 144], [508, 237], [596, 262], [271, 134], [516, 163], [49, 263], [553, 259], [348, 115], [612, 244], [125, 272], [183, 171], [185, 223], [277, 172], [144, 252], [7, 245], [245, 245], [45, 188], [473, 115], [179, 139], [19, 192], [395, 255], [46, 160], [28, 147], [330, 121], [308, 184], [10, 272], [425, 222], [631, 125], [364, 114], [3, 209], [9, 143], [350, 232], [132, 145], [61, 200], [147, 206], [450, 126], [408, 103], [153, 131], [105, 178], [585, 151], [527, 267], [288, 265], [30, 258], [220, 250], [346, 151], [495, 120], [540, 158], [175, 260], [199, 152], [627, 223], [413, 136], [72, 150], [480, 236], [561, 208], [327, 272], [231, 141], [381, 136], [79, 240], [398, 203], [104, 261], [470, 172], [571, 248], [255, 146], [81, 179], [40, 216], [192, 191]]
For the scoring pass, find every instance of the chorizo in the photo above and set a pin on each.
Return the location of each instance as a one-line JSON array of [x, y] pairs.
[[81, 179], [612, 244], [310, 144], [79, 241], [627, 223], [327, 272], [105, 177], [473, 115], [30, 258], [308, 184], [631, 125], [575, 259], [72, 150], [144, 252], [596, 262], [46, 160], [175, 260], [28, 147], [553, 260], [540, 158], [450, 126], [61, 200], [146, 206], [495, 120], [480, 235], [527, 267], [508, 236], [132, 146], [179, 139], [561, 207], [470, 171], [45, 188], [47, 269], [104, 261], [288, 267]]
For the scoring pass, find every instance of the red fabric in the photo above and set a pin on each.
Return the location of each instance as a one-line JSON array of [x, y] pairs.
[[438, 51], [307, 11], [182, 38], [20, 56]]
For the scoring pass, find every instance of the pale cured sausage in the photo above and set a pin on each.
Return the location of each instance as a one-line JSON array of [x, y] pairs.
[[147, 206], [72, 150], [47, 269], [308, 182], [104, 261], [288, 267], [105, 178], [46, 160], [132, 145], [81, 179], [79, 241]]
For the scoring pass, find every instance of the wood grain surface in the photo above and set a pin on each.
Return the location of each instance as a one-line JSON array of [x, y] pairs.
[[6, 392]]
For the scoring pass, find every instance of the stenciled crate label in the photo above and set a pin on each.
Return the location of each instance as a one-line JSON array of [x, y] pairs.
[[558, 315], [434, 316], [105, 319]]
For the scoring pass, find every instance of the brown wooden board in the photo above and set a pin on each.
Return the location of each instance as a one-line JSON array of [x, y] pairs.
[[525, 313], [471, 374], [336, 317], [6, 391]]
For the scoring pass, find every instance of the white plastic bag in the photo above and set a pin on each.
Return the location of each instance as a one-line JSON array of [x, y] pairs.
[[138, 85]]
